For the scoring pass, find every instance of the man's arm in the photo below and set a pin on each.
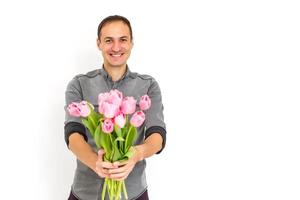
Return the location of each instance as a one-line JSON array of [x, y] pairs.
[[151, 146], [83, 150]]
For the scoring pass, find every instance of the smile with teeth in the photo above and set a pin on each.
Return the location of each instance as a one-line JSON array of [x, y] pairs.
[[116, 55]]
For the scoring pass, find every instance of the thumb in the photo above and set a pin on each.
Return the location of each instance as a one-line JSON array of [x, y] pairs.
[[101, 152]]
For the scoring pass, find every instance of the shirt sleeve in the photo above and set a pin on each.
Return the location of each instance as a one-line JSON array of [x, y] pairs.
[[73, 124], [154, 116]]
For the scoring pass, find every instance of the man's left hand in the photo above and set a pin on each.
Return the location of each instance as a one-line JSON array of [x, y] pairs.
[[124, 168]]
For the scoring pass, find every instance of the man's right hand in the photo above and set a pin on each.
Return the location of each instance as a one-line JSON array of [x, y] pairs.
[[102, 167]]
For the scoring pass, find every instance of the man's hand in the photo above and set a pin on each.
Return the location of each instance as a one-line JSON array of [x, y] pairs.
[[124, 168], [102, 167], [121, 170]]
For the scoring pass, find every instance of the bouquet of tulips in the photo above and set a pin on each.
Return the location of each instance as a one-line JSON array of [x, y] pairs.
[[112, 130]]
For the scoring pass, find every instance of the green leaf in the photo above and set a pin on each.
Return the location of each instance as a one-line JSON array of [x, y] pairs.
[[89, 126], [128, 154], [118, 131], [117, 154], [95, 117], [130, 138], [119, 139], [106, 143], [97, 137], [124, 131]]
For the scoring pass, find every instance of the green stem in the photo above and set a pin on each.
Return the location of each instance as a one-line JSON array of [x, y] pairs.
[[92, 114], [127, 126], [104, 189], [126, 140], [129, 129], [93, 121], [122, 146], [120, 188], [109, 189], [113, 189], [112, 144], [124, 190]]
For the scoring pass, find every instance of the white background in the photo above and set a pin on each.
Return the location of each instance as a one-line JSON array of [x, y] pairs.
[[228, 70]]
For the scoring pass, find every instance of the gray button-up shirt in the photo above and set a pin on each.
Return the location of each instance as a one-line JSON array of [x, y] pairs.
[[87, 185]]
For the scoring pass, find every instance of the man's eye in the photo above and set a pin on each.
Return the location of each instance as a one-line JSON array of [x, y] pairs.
[[124, 40], [107, 41]]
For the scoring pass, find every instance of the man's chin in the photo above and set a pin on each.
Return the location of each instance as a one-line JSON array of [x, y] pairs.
[[117, 65]]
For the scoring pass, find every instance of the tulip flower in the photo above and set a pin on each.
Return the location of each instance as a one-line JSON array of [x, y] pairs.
[[74, 109], [120, 120], [84, 109], [109, 110], [115, 97], [128, 105], [107, 126], [137, 119], [102, 97], [145, 102]]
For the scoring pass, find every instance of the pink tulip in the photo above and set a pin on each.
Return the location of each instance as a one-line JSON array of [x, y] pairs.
[[102, 97], [120, 120], [115, 97], [109, 103], [145, 102], [84, 109], [109, 110], [74, 109], [107, 126], [137, 119], [128, 105], [81, 109]]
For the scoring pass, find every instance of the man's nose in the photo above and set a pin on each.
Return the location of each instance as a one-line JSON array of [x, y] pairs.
[[116, 46]]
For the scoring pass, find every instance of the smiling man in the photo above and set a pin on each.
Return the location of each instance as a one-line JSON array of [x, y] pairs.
[[115, 41]]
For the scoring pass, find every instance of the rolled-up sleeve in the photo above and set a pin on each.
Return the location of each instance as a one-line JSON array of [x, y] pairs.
[[73, 124], [154, 116]]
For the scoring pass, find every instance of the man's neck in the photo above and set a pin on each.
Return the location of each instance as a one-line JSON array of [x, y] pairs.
[[116, 73]]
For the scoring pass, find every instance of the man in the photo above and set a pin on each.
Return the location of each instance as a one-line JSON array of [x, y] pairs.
[[115, 41]]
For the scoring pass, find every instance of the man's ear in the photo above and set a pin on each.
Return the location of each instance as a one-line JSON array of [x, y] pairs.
[[98, 43], [132, 43]]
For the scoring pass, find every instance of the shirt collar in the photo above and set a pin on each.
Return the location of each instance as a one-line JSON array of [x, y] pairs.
[[127, 74]]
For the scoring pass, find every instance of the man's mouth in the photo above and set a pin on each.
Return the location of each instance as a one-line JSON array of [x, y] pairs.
[[116, 55]]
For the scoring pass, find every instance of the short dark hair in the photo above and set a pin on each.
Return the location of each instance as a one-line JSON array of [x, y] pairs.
[[114, 18]]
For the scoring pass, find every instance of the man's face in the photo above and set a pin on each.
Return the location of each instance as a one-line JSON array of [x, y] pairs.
[[115, 44]]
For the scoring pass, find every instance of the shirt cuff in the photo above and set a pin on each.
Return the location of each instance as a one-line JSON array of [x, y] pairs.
[[160, 130], [73, 127]]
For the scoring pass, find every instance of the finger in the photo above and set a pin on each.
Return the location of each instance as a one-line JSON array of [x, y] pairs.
[[117, 164], [120, 164], [126, 168], [100, 153], [100, 165], [108, 165], [117, 170], [105, 172], [119, 176], [102, 173]]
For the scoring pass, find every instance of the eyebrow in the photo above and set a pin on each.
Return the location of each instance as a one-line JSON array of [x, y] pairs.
[[122, 37]]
